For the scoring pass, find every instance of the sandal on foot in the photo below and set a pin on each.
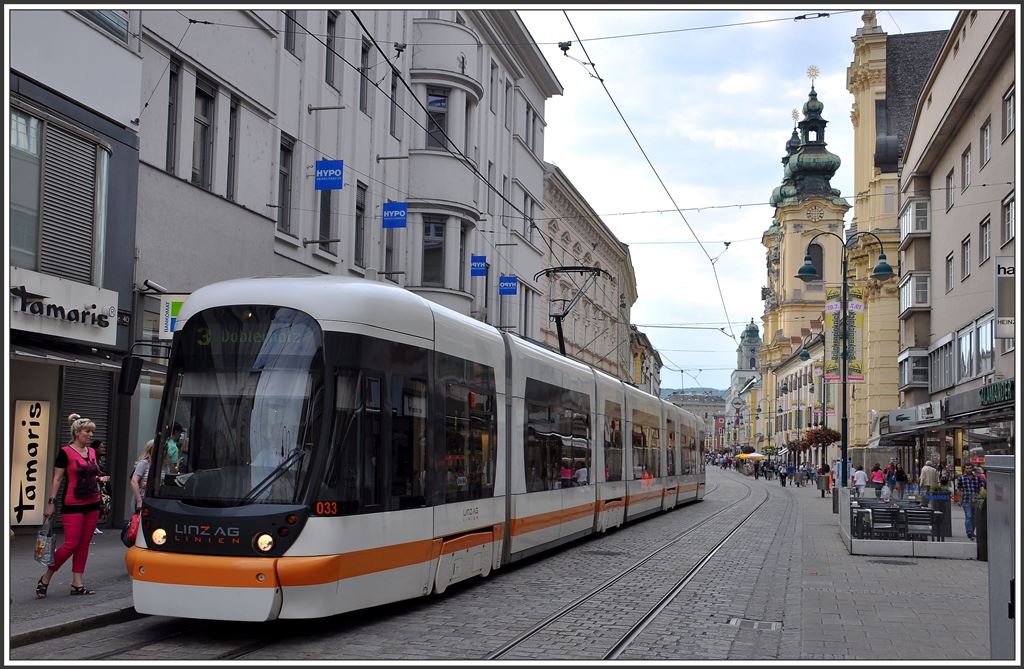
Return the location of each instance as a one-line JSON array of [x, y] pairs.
[[41, 589], [81, 590]]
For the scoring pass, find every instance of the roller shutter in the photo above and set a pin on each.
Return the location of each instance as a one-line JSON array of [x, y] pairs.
[[68, 205]]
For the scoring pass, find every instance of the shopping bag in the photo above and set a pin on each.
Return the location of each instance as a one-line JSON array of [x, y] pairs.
[[44, 544], [130, 530]]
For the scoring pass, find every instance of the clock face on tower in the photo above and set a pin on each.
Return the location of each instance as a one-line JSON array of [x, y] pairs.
[[815, 213]]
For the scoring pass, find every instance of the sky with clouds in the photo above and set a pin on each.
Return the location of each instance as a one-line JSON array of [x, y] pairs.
[[711, 107]]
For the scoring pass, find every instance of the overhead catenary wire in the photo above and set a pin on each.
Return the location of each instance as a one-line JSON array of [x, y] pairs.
[[656, 174]]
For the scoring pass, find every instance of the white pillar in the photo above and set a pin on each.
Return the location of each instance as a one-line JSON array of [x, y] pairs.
[[452, 230]]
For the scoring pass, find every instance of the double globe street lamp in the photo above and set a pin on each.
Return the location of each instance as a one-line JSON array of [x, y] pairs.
[[808, 272]]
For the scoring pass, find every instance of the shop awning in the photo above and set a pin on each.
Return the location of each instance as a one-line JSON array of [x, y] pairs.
[[75, 359]]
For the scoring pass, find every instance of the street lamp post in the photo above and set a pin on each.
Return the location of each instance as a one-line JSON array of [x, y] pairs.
[[808, 272]]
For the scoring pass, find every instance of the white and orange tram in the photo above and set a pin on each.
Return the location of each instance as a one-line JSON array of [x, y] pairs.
[[345, 443]]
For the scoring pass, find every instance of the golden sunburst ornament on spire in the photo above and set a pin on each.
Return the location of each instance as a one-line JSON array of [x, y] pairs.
[[813, 73]]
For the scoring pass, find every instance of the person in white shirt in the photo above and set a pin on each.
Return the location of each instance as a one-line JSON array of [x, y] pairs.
[[860, 479], [929, 475], [581, 475]]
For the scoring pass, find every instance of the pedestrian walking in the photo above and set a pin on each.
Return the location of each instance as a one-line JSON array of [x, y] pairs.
[[968, 486], [877, 479], [141, 473], [100, 447], [929, 475], [900, 480], [860, 480], [80, 507], [822, 480]]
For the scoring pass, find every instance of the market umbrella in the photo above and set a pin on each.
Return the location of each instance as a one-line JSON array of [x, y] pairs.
[[756, 456]]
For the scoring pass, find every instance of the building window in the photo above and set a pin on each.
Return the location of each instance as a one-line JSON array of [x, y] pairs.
[[433, 250], [914, 218], [359, 252], [25, 182], [332, 37], [985, 240], [528, 126], [986, 142], [326, 229], [965, 258], [490, 188], [949, 272], [949, 190], [172, 114], [389, 254], [504, 201], [364, 78], [114, 21], [468, 125], [965, 169], [965, 354], [1008, 112], [914, 370], [284, 185], [914, 292], [494, 86], [508, 104], [232, 187], [817, 254], [290, 30], [393, 120], [941, 367], [889, 200], [1009, 220], [437, 117], [202, 135], [986, 346], [463, 245], [527, 318]]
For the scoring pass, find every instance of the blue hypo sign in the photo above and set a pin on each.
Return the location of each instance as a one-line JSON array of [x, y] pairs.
[[507, 285], [478, 265], [329, 174], [395, 214]]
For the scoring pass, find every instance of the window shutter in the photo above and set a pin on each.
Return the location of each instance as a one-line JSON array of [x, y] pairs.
[[87, 393], [69, 204]]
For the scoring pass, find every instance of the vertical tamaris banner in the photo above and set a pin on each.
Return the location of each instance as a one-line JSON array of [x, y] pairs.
[[30, 445]]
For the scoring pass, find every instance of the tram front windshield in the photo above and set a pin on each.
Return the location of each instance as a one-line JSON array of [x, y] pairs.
[[242, 408]]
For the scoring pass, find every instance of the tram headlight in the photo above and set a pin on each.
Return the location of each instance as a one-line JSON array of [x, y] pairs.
[[264, 542], [159, 536]]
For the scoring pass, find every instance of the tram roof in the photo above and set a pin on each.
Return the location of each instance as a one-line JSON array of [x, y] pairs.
[[325, 298]]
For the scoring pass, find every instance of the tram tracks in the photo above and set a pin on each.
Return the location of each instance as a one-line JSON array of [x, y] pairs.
[[635, 630]]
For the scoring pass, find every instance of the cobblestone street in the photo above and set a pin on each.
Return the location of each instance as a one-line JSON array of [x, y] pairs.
[[785, 565]]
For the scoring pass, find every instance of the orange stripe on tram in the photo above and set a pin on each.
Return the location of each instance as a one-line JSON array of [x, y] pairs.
[[545, 520]]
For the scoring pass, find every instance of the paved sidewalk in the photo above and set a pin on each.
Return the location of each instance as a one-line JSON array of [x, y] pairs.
[[59, 613]]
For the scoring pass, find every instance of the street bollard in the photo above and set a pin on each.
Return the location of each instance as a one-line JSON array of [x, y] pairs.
[[835, 500]]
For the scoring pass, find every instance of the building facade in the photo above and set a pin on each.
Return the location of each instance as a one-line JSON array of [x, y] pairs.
[[73, 178], [179, 163], [596, 329], [957, 238]]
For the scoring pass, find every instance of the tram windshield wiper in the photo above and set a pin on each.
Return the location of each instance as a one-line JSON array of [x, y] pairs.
[[294, 457]]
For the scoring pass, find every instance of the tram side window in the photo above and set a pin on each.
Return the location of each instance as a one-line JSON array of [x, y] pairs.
[[612, 441], [557, 437], [378, 458], [671, 453], [646, 446], [470, 428]]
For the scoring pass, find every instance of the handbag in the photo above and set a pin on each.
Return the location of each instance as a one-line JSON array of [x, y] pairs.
[[44, 544], [130, 530]]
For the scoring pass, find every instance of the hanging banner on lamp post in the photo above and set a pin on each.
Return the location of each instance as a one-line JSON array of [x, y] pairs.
[[833, 328]]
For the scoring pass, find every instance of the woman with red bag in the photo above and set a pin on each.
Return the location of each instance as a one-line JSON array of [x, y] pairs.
[[80, 507]]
